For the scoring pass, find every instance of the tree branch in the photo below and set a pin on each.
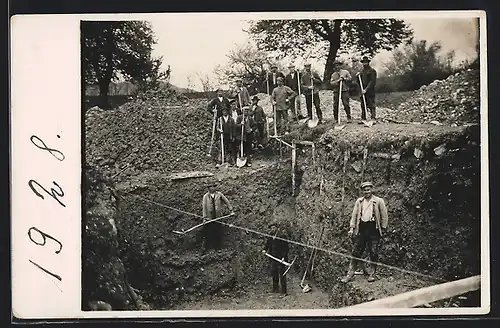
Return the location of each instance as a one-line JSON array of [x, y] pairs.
[[318, 31]]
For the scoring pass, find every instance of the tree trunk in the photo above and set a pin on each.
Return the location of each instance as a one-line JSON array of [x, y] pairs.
[[334, 39], [103, 94]]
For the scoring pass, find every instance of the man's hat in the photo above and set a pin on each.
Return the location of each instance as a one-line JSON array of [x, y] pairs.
[[337, 62], [274, 66], [291, 65], [365, 59], [307, 64], [255, 97], [366, 184]]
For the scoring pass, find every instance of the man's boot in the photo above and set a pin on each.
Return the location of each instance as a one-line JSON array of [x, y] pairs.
[[350, 272], [372, 276]]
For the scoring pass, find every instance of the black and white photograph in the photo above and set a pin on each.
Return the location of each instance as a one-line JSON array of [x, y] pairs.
[[281, 164], [263, 164]]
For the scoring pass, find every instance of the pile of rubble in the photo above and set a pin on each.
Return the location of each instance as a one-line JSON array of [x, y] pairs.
[[453, 101], [157, 130]]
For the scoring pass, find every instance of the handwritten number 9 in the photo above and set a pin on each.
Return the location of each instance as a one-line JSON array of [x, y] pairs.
[[44, 236], [53, 193], [54, 152]]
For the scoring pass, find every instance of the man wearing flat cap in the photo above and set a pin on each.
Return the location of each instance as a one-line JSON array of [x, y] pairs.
[[212, 209], [338, 75], [292, 81], [368, 224], [369, 79], [272, 78], [310, 86]]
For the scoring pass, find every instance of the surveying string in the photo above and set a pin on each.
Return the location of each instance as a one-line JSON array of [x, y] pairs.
[[298, 243]]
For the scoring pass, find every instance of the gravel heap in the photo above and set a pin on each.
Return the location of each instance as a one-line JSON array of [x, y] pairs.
[[158, 130], [453, 101]]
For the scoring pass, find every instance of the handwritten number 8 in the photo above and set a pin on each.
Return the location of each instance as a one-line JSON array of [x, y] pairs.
[[53, 193], [54, 152]]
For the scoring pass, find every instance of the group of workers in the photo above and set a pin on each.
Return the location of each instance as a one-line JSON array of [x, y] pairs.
[[247, 120], [367, 227]]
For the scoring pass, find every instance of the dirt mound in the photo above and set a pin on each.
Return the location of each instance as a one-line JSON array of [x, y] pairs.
[[149, 133], [452, 101], [105, 280]]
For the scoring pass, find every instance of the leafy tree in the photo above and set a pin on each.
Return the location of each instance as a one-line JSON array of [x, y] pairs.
[[245, 62], [417, 64], [298, 37], [119, 49]]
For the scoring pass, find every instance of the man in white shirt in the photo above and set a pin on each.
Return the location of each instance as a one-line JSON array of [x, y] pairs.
[[338, 75], [368, 224]]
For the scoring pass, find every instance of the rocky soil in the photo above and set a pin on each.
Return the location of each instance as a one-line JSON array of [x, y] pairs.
[[428, 174]]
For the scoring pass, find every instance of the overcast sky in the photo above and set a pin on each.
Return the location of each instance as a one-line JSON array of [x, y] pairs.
[[197, 43]]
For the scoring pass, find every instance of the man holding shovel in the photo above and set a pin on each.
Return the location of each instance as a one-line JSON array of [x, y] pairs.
[[292, 80], [310, 85], [367, 226], [218, 103], [226, 129], [244, 138], [279, 249], [338, 78], [367, 79]]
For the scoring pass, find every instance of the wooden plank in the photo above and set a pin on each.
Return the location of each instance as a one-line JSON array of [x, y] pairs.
[[190, 175], [307, 143], [425, 295]]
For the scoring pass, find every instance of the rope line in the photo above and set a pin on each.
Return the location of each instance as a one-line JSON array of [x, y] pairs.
[[297, 243]]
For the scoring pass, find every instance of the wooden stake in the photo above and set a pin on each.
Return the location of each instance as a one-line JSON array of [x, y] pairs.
[[294, 155]]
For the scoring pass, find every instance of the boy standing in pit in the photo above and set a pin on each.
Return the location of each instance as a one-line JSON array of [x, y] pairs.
[[279, 249]]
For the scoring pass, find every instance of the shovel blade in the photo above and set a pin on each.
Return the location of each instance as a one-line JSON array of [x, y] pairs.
[[240, 162], [312, 123], [303, 121], [339, 127], [368, 123]]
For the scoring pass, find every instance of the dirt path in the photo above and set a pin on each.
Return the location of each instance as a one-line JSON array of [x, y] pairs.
[[259, 297]]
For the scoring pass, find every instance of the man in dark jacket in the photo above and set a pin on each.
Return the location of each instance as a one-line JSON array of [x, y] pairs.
[[259, 118], [311, 84], [369, 79], [272, 79], [218, 103], [246, 122], [226, 128], [279, 249], [292, 81]]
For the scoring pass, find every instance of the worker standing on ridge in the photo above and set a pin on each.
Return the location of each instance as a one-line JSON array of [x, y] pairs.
[[292, 81], [212, 208], [272, 78], [247, 134], [219, 103], [227, 131], [259, 118], [311, 83], [241, 94], [338, 75], [282, 96], [369, 80], [279, 249], [368, 225]]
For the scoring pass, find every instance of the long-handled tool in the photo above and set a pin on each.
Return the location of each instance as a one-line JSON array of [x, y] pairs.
[[339, 127], [313, 122], [367, 123], [213, 132], [182, 232], [282, 261], [241, 160], [300, 95], [221, 142]]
